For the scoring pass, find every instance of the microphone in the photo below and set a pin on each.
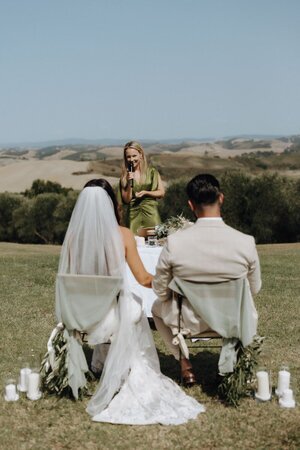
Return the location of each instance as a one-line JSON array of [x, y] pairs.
[[130, 169]]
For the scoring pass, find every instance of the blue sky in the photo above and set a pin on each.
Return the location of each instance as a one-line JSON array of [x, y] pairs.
[[148, 69]]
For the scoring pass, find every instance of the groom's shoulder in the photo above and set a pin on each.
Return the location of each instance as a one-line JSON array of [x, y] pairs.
[[194, 231], [182, 234], [238, 233]]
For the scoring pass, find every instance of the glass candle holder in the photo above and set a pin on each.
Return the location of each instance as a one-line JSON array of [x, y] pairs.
[[10, 390], [287, 400], [35, 361], [284, 377], [23, 376], [152, 241], [263, 384], [33, 385]]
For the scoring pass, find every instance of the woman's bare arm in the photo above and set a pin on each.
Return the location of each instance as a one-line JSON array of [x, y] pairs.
[[126, 193], [133, 259], [158, 193]]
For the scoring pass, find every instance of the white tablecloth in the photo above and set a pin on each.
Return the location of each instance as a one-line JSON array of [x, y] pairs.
[[149, 256]]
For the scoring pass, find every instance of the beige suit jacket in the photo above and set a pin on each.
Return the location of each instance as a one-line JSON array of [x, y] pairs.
[[208, 251]]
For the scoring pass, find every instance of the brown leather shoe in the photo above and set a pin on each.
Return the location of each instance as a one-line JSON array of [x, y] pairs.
[[188, 377]]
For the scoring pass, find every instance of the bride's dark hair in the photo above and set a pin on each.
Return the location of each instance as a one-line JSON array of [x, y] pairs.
[[101, 182]]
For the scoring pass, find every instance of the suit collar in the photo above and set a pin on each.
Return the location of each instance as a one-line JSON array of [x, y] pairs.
[[210, 222]]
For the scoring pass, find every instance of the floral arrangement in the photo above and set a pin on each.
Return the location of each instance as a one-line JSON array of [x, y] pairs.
[[171, 225], [54, 378], [240, 383], [54, 369]]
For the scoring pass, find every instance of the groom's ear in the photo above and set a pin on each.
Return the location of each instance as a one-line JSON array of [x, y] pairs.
[[191, 205], [221, 199]]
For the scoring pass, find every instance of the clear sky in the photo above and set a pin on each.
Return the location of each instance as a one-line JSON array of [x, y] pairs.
[[148, 69]]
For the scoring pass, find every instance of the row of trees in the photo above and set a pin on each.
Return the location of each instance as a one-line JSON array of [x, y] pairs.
[[40, 215], [266, 206]]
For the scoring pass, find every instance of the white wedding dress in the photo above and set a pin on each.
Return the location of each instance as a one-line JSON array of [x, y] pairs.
[[132, 390], [146, 396]]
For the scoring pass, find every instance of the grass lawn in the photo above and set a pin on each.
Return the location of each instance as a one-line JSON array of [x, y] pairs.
[[27, 275]]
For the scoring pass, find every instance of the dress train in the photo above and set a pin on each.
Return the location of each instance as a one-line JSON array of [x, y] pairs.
[[146, 396]]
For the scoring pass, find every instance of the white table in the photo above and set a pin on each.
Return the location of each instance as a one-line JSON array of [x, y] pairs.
[[149, 256]]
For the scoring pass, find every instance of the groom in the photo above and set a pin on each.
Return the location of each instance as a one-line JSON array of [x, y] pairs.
[[208, 251]]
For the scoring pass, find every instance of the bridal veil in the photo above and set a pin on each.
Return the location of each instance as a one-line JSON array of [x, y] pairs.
[[132, 390]]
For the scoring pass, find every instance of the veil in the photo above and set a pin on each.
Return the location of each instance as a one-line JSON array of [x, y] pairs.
[[132, 389], [93, 243]]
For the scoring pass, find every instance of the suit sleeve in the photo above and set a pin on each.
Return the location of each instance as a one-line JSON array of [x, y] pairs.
[[163, 275], [254, 275]]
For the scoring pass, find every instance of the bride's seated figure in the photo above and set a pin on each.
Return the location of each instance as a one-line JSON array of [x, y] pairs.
[[133, 260], [132, 390]]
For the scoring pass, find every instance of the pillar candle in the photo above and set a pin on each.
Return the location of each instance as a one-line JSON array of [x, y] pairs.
[[263, 388], [287, 399], [33, 385], [10, 392], [24, 379], [283, 381], [287, 395]]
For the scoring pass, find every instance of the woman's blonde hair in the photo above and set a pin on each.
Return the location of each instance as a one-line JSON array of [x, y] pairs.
[[143, 163]]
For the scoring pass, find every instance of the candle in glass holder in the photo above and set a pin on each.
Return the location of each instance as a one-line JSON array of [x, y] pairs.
[[23, 379], [287, 399], [10, 394], [33, 392], [152, 241], [263, 385], [283, 381]]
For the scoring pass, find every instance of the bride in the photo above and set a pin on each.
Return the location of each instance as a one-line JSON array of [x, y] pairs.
[[132, 390]]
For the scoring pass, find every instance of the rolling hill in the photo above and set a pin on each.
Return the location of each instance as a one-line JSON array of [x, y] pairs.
[[72, 165]]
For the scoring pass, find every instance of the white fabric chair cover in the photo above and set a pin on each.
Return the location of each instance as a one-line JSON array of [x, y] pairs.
[[227, 308], [82, 301], [86, 303]]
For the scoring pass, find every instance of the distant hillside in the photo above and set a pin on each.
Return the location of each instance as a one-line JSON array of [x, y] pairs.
[[92, 151], [72, 165], [250, 144]]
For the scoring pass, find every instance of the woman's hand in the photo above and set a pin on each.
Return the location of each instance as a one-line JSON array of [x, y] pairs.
[[141, 194], [158, 193], [130, 176], [148, 282]]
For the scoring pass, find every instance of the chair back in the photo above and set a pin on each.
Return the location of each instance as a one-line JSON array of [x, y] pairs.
[[227, 307], [83, 300]]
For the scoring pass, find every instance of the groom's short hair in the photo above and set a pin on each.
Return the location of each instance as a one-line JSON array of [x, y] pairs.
[[203, 189]]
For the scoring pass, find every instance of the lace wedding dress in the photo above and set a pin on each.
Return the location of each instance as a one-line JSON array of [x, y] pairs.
[[132, 390], [145, 395]]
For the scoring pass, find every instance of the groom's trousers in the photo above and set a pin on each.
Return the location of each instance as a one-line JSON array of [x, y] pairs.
[[165, 316]]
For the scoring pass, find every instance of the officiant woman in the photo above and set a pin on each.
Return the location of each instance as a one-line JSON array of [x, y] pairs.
[[139, 188]]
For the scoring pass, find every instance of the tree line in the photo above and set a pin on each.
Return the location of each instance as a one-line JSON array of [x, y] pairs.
[[266, 206]]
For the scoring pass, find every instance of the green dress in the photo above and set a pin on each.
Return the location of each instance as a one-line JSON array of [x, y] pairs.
[[143, 212]]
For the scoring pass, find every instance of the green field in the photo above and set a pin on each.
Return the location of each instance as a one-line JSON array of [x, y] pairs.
[[27, 274]]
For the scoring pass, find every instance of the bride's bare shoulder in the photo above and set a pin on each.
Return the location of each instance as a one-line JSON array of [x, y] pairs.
[[126, 234]]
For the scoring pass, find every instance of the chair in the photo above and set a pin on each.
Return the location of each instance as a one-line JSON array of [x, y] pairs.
[[82, 303], [227, 308], [199, 338]]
